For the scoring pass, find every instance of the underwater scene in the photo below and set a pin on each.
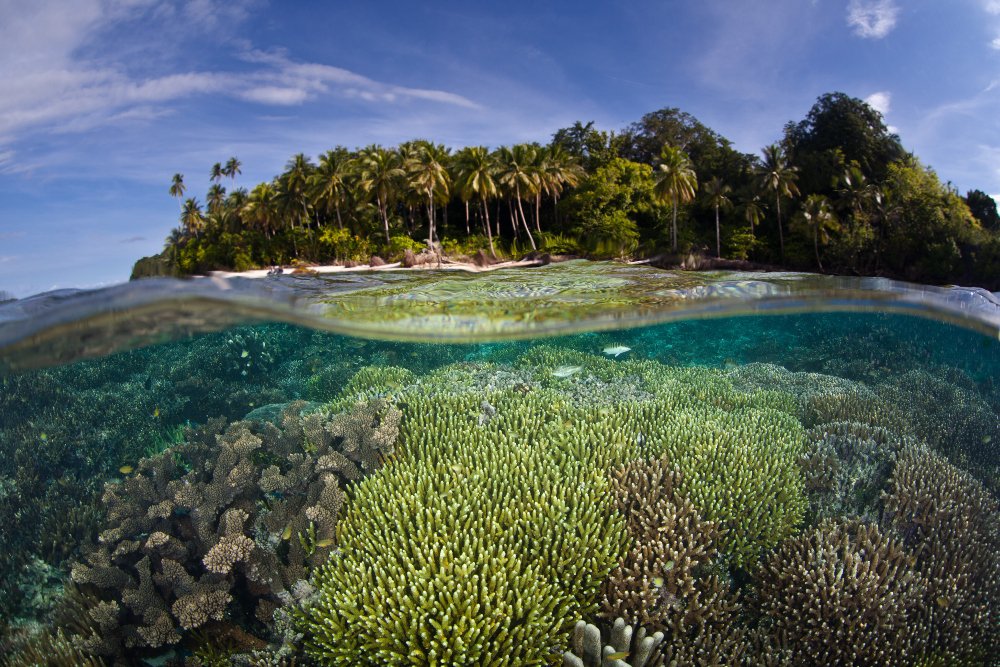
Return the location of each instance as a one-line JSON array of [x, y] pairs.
[[569, 465]]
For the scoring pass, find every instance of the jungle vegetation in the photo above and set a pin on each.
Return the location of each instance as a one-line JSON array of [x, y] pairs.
[[837, 192]]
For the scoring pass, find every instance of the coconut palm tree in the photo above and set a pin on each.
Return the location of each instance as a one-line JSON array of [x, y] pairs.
[[753, 212], [217, 173], [716, 191], [330, 181], [214, 197], [515, 174], [261, 208], [294, 187], [192, 218], [232, 168], [676, 182], [476, 169], [427, 173], [560, 169], [380, 174], [177, 187], [776, 175], [817, 217]]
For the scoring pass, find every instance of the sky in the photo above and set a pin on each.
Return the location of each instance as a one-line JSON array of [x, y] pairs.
[[102, 101]]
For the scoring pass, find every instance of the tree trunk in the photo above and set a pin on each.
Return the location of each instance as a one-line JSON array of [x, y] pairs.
[[468, 232], [816, 247], [489, 233], [517, 193], [385, 217], [538, 212], [673, 227], [718, 244], [781, 234], [340, 223]]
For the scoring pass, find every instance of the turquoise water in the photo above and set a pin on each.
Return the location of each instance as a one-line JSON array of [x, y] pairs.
[[814, 485]]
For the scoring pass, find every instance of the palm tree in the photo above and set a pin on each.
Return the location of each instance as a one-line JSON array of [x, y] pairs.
[[192, 217], [294, 186], [716, 192], [380, 174], [560, 169], [177, 187], [329, 182], [752, 212], [261, 207], [475, 177], [676, 182], [778, 176], [217, 173], [232, 168], [818, 218], [515, 175], [214, 197], [428, 175]]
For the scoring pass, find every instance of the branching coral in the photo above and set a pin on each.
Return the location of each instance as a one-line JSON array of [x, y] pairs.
[[952, 526], [842, 594], [662, 583], [239, 515], [468, 548]]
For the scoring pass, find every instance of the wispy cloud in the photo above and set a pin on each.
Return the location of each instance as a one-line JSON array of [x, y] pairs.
[[51, 87], [873, 19], [133, 239]]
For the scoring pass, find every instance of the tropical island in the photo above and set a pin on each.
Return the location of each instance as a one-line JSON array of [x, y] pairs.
[[838, 193]]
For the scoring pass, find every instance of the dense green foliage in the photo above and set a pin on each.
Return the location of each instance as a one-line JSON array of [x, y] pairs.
[[837, 193]]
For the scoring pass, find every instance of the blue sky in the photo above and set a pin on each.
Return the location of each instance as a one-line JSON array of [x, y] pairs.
[[101, 101]]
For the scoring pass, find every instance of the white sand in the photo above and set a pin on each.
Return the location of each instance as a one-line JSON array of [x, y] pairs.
[[446, 265]]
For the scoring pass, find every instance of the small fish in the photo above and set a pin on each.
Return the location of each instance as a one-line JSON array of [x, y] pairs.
[[619, 655], [156, 411], [669, 566], [328, 542], [286, 534], [943, 601], [43, 437], [658, 582], [125, 470], [245, 354], [566, 371], [616, 350], [986, 439]]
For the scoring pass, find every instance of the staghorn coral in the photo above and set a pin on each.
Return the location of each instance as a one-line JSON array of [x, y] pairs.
[[952, 526], [479, 548], [845, 466], [229, 523], [587, 648], [662, 583], [50, 650], [842, 593]]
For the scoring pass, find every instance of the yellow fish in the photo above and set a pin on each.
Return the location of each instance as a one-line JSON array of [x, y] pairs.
[[658, 581], [620, 655], [328, 542], [43, 437], [156, 411], [125, 470], [943, 601], [286, 534]]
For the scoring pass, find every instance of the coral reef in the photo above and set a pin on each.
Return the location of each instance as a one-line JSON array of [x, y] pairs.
[[49, 650], [664, 582], [842, 594], [587, 648], [471, 546], [228, 524], [950, 524]]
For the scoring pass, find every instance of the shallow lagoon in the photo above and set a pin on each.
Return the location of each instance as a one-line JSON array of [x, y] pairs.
[[801, 488]]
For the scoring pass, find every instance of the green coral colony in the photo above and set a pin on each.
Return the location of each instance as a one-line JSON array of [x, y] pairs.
[[359, 503]]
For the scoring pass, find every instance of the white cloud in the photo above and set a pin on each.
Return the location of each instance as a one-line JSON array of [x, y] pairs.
[[992, 6], [880, 101], [872, 18], [50, 84]]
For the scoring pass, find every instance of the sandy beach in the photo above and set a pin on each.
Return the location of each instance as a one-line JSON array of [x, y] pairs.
[[444, 265]]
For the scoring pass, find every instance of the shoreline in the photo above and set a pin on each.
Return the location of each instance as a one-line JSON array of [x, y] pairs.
[[444, 265]]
